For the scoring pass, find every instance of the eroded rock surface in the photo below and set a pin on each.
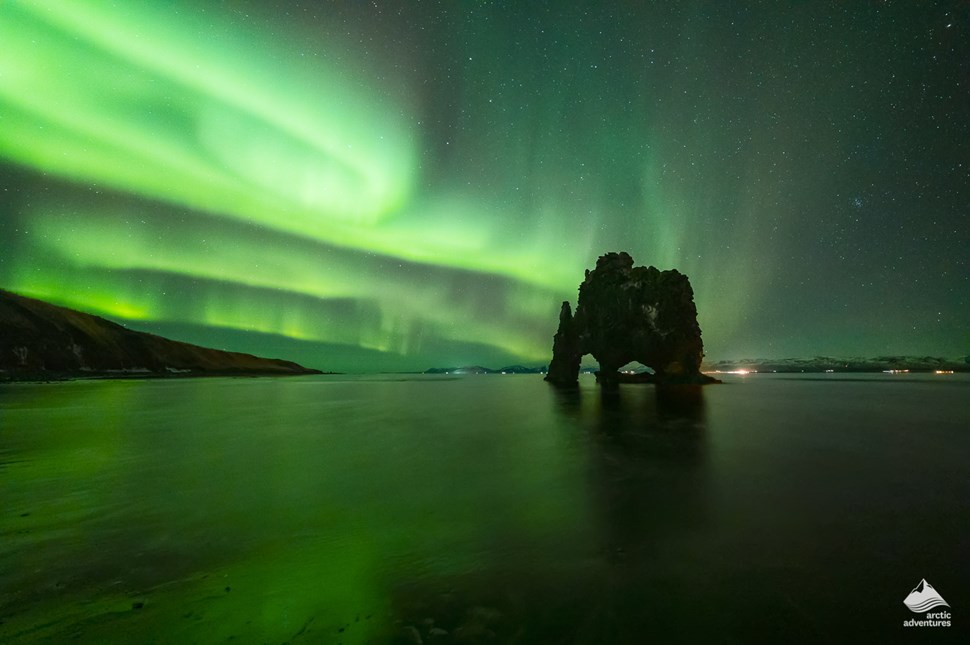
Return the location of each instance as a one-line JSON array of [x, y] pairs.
[[626, 314]]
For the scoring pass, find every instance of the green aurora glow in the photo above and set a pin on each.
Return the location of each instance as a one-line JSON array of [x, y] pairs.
[[182, 167]]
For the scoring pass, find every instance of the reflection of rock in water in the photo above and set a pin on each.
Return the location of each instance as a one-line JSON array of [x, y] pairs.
[[648, 483], [647, 488], [646, 478]]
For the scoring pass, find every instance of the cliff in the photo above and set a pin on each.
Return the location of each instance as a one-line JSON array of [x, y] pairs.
[[41, 340]]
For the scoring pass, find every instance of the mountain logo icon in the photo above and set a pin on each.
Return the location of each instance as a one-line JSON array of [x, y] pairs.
[[923, 598]]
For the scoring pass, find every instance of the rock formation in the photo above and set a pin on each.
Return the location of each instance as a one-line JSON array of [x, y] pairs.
[[627, 314], [39, 340]]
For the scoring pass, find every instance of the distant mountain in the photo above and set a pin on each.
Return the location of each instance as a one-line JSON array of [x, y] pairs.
[[780, 365], [41, 340], [478, 369], [855, 364], [472, 369], [510, 369], [521, 369]]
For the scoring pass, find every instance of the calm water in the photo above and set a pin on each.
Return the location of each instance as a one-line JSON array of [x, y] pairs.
[[481, 509]]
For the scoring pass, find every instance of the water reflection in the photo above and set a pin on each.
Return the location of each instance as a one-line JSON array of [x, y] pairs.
[[484, 511], [644, 453], [646, 467], [647, 482]]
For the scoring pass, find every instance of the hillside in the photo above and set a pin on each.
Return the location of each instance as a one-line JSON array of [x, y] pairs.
[[41, 340]]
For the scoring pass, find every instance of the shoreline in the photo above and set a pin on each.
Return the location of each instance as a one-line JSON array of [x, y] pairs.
[[624, 379], [137, 376]]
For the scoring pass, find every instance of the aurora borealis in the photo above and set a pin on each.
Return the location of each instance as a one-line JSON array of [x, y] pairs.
[[367, 186]]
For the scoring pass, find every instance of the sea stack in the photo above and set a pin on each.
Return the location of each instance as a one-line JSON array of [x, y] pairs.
[[625, 314]]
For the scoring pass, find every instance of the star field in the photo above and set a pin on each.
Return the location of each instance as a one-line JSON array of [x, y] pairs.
[[368, 186]]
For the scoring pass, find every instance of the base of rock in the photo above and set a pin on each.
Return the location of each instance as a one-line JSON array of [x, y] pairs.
[[563, 384], [645, 377]]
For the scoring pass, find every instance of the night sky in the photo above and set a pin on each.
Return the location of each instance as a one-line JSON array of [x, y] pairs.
[[365, 186]]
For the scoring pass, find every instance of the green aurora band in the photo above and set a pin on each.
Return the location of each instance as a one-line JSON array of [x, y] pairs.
[[180, 166], [174, 116]]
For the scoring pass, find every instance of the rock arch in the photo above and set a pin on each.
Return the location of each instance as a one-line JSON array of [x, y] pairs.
[[627, 313]]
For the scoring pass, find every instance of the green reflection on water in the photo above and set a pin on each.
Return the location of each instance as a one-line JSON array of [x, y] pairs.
[[268, 510]]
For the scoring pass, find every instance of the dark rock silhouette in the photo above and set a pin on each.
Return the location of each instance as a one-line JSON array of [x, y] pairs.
[[627, 314], [39, 340], [566, 349]]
